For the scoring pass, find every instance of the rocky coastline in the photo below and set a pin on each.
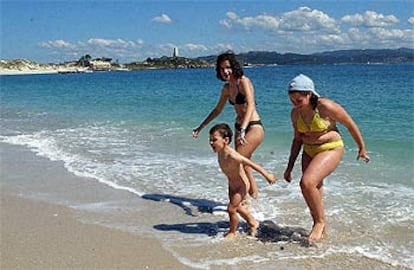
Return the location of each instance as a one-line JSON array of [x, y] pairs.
[[24, 66], [87, 64]]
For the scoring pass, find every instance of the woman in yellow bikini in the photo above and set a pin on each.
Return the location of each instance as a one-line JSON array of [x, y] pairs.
[[314, 121]]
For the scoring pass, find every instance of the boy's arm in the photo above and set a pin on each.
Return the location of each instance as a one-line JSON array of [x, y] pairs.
[[270, 177]]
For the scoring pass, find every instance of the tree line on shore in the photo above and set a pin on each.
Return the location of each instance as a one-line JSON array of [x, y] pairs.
[[402, 55]]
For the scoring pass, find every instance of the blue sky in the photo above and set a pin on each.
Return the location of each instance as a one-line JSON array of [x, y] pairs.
[[127, 31]]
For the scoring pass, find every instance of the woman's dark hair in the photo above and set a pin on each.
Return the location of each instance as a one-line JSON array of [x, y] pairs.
[[235, 65], [314, 101], [223, 129]]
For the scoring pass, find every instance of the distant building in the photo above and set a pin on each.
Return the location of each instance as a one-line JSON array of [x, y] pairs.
[[101, 64], [175, 52]]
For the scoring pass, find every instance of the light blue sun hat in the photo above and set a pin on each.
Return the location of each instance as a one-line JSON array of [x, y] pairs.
[[302, 83]]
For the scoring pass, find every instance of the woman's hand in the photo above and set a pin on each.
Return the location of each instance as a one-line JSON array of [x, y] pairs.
[[196, 132], [287, 175], [242, 136], [364, 155]]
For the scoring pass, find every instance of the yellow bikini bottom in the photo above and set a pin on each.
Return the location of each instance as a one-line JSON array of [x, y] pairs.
[[312, 150]]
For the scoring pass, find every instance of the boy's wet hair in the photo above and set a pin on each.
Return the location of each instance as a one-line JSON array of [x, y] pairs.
[[234, 64], [223, 129]]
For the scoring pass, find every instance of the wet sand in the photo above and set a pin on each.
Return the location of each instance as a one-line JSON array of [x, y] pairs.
[[38, 234]]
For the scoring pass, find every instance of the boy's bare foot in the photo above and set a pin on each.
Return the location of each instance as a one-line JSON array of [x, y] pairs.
[[317, 232], [230, 235]]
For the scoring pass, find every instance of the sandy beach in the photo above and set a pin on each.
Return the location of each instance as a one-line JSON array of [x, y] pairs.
[[24, 72], [36, 234]]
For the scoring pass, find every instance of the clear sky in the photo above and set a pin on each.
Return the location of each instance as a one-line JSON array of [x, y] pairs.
[[127, 31]]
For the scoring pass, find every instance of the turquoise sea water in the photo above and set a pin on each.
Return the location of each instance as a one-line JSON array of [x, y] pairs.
[[132, 131]]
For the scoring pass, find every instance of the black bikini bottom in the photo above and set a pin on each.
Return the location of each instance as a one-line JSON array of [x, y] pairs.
[[237, 126]]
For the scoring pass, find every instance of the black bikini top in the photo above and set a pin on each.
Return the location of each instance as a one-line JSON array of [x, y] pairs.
[[240, 98]]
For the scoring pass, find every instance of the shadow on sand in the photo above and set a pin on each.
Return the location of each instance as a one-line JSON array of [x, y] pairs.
[[268, 230], [192, 207]]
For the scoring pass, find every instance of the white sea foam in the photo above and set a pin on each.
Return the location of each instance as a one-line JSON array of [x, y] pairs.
[[379, 253], [99, 153]]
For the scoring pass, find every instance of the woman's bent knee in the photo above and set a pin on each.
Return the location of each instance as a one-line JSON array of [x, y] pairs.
[[308, 184]]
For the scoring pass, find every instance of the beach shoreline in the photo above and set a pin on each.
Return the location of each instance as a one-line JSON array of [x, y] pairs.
[[13, 72], [40, 234]]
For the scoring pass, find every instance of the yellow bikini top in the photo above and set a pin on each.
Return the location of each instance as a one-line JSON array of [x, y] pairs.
[[317, 124]]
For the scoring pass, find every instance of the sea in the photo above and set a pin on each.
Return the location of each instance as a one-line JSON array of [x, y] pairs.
[[132, 132]]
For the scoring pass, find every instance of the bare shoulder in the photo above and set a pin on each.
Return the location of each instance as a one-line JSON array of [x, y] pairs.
[[234, 154], [226, 86], [327, 105], [331, 109], [225, 89], [231, 151], [245, 79], [324, 102], [245, 82]]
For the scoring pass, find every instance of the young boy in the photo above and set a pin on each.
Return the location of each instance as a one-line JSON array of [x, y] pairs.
[[232, 164]]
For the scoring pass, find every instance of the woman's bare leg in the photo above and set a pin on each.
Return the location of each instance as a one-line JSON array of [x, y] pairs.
[[254, 138], [314, 171]]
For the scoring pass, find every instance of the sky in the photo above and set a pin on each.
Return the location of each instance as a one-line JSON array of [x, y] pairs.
[[55, 31]]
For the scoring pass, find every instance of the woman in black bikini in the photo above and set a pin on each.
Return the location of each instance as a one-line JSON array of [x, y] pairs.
[[239, 92]]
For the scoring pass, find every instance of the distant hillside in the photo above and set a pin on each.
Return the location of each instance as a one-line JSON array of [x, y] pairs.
[[402, 55]]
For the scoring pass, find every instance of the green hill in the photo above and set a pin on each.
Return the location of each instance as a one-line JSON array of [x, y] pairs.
[[402, 55]]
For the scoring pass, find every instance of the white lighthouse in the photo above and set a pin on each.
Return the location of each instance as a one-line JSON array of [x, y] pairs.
[[175, 52]]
